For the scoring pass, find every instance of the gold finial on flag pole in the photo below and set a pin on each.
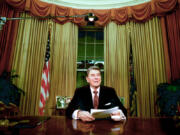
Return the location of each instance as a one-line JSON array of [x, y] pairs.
[[50, 26]]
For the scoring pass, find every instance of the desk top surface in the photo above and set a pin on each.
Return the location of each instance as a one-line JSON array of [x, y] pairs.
[[60, 125]]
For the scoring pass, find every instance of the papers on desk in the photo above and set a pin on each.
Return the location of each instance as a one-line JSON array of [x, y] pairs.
[[103, 113]]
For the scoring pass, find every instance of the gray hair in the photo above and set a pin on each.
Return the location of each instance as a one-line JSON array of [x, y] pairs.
[[93, 68]]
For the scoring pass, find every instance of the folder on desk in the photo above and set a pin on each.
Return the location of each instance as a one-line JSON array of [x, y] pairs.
[[103, 113]]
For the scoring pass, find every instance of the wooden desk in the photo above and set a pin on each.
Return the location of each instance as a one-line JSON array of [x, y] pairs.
[[60, 112], [60, 125]]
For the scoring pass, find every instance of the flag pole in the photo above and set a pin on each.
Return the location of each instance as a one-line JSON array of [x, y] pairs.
[[45, 81]]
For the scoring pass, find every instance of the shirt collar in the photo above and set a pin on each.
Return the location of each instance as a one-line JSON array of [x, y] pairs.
[[93, 89]]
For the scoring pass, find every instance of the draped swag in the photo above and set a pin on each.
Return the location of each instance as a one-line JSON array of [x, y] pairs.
[[28, 61], [63, 65], [149, 64], [140, 12], [7, 37]]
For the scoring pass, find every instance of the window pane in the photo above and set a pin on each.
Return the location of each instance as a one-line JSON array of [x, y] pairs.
[[81, 52], [81, 36], [90, 37], [90, 51], [99, 52], [99, 37]]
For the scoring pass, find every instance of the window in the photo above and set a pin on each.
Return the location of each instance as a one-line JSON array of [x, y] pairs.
[[90, 52]]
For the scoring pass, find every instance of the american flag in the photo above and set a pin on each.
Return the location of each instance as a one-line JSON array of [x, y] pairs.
[[45, 81]]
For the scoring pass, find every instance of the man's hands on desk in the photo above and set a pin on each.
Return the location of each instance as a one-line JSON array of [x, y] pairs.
[[87, 117], [118, 116]]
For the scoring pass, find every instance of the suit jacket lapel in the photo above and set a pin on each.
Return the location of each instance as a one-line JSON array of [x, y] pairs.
[[101, 95], [89, 98]]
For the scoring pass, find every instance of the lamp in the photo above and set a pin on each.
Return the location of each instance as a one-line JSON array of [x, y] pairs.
[[91, 17], [2, 22]]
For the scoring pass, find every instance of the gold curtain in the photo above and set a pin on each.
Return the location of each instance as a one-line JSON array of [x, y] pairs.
[[117, 48], [28, 61], [63, 66], [149, 64]]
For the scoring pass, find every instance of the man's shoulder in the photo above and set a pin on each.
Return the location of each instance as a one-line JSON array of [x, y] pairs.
[[87, 87], [83, 88], [106, 90], [106, 87]]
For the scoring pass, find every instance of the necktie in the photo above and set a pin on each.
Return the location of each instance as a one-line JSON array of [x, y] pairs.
[[96, 99]]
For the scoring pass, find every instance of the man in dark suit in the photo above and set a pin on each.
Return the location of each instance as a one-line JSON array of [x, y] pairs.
[[94, 96]]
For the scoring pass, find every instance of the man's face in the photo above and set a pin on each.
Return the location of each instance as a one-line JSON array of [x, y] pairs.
[[94, 78]]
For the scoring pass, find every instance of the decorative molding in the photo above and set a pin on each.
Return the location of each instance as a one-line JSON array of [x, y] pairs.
[[94, 4]]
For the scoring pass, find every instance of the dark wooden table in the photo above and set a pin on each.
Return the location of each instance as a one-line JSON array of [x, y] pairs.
[[60, 112], [60, 125]]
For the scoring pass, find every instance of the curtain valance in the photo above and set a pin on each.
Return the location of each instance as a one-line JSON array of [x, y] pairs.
[[139, 13]]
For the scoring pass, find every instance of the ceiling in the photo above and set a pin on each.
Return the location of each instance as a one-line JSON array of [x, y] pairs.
[[96, 4]]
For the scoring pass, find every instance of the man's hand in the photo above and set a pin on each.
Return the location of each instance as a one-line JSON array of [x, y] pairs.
[[85, 116], [118, 116]]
